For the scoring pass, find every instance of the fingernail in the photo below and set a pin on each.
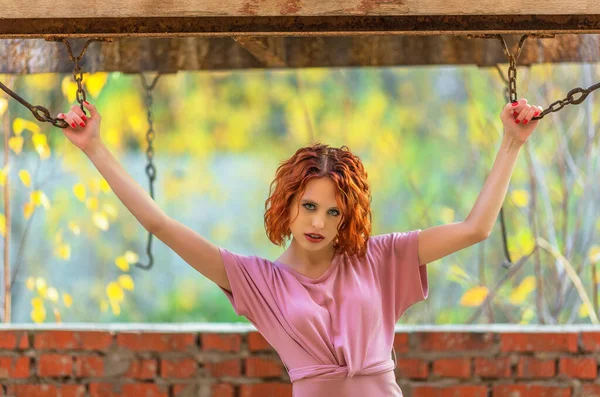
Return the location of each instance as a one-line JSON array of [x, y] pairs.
[[535, 114], [515, 113], [515, 103], [73, 125], [517, 121], [84, 118], [60, 115], [525, 121], [82, 124], [86, 102]]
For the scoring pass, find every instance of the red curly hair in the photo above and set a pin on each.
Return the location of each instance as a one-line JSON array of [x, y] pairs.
[[353, 195]]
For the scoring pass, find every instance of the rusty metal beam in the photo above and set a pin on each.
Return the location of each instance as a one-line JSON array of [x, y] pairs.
[[201, 53], [324, 25]]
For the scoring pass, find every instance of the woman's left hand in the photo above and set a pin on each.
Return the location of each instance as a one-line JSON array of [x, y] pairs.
[[517, 119]]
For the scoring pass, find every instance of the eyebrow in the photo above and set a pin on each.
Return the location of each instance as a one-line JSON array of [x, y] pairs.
[[312, 202]]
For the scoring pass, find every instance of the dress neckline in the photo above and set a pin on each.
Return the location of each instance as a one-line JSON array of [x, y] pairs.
[[302, 277]]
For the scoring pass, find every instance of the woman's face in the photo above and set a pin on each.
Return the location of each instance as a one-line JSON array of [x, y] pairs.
[[316, 212]]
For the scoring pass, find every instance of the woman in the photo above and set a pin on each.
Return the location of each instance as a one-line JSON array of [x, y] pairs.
[[329, 303]]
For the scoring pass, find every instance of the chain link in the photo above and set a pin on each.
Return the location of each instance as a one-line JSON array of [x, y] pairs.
[[150, 168]]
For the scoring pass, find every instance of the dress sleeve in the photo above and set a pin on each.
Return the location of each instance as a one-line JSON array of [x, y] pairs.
[[403, 280], [249, 279]]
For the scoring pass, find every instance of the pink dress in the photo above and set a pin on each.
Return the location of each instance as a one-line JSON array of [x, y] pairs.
[[334, 334]]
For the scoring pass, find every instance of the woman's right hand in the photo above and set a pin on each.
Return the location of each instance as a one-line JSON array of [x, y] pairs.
[[83, 132]]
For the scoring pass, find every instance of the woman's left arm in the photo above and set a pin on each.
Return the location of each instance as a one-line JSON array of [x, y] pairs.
[[440, 241]]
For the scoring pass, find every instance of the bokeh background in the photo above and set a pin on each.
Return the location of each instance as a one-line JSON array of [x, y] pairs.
[[427, 136]]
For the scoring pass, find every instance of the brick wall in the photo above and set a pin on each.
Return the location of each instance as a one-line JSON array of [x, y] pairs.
[[221, 360]]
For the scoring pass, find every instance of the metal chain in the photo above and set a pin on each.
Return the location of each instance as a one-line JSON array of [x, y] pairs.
[[574, 97], [150, 168], [43, 114]]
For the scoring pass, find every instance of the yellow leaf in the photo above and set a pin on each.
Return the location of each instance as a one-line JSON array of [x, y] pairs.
[[520, 197], [122, 263], [104, 186], [67, 299], [126, 282], [447, 215], [95, 82], [41, 286], [25, 177], [110, 209], [3, 174], [37, 302], [57, 315], [527, 315], [69, 89], [19, 125], [38, 314], [99, 219], [92, 203], [74, 228], [16, 144], [39, 139], [79, 191], [3, 106], [104, 306], [63, 251], [132, 257], [52, 294], [28, 209], [474, 297], [594, 254], [30, 283], [458, 275], [519, 294], [39, 198], [43, 151], [116, 309], [114, 292], [2, 225], [583, 311], [94, 185]]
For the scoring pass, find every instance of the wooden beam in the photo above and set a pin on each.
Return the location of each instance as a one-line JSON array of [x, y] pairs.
[[284, 25], [200, 53], [65, 9]]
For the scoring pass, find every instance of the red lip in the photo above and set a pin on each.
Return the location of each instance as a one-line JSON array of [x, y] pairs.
[[315, 234]]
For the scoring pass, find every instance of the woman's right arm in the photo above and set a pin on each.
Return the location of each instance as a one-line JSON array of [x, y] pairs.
[[198, 252]]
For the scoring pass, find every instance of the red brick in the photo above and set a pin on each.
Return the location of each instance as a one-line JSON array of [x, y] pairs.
[[127, 390], [158, 342], [89, 366], [55, 365], [13, 340], [217, 390], [590, 341], [591, 390], [452, 367], [531, 367], [449, 391], [14, 367], [578, 367], [266, 390], [524, 390], [412, 368], [72, 340], [538, 342], [257, 342], [231, 367], [46, 390], [181, 368], [454, 341], [401, 342], [263, 367], [499, 367], [221, 342], [142, 369]]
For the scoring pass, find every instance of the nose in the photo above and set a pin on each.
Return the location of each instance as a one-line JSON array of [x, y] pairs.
[[318, 222]]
